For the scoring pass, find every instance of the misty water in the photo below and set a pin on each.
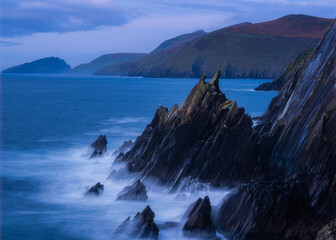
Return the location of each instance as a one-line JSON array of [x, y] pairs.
[[48, 123]]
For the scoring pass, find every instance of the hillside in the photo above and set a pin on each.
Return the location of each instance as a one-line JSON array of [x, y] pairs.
[[291, 70], [179, 41], [104, 61], [52, 65], [241, 51]]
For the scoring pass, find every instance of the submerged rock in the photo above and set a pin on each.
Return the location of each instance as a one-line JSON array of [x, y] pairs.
[[199, 223], [96, 190], [136, 191], [99, 147], [141, 226]]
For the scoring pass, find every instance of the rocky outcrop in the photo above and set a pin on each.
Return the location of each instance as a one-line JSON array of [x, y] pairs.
[[269, 208], [96, 190], [199, 223], [141, 226], [208, 137], [328, 232], [136, 191], [98, 147]]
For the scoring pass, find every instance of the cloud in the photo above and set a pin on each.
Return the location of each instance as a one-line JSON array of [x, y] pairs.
[[9, 43], [22, 17]]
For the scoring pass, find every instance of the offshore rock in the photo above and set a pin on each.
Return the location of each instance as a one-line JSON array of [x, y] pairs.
[[95, 191], [269, 208], [208, 137], [141, 226], [99, 147], [199, 223], [136, 191]]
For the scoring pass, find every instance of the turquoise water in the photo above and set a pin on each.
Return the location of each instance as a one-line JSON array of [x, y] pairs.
[[48, 122]]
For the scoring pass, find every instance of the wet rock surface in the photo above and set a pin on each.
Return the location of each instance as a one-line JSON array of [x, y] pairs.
[[141, 226], [269, 208], [99, 147], [199, 223], [96, 190], [136, 191], [328, 232]]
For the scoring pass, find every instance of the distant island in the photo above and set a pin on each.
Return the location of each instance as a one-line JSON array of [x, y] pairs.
[[52, 65]]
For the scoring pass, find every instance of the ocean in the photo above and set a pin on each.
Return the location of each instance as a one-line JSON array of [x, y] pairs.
[[48, 123]]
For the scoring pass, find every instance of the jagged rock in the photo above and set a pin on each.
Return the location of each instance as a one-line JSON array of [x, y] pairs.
[[126, 146], [99, 147], [96, 190], [199, 223], [136, 191], [269, 208], [207, 137], [141, 226], [328, 232]]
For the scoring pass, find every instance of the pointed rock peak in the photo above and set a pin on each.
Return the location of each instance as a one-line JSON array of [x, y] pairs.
[[202, 80], [215, 79]]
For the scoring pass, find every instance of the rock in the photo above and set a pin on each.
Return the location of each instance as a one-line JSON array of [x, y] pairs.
[[199, 223], [126, 146], [208, 137], [141, 226], [99, 147], [269, 208], [328, 232], [136, 191], [96, 190], [299, 125]]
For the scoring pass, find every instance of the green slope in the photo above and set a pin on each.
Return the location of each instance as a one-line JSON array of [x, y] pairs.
[[179, 41], [104, 61], [261, 50], [292, 68]]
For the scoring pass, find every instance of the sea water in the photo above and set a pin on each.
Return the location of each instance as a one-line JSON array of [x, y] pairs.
[[48, 123]]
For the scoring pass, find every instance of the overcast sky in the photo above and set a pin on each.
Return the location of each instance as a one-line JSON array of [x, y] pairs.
[[80, 30]]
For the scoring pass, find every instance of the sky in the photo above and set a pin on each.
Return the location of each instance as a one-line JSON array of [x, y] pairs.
[[81, 30]]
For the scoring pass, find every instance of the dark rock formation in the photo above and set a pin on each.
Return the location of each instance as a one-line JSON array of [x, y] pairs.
[[299, 127], [126, 146], [274, 208], [328, 232], [96, 190], [199, 222], [52, 65], [207, 137], [290, 72], [136, 191], [99, 147], [141, 226]]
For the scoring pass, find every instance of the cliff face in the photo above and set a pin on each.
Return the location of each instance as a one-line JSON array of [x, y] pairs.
[[208, 137], [303, 115]]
